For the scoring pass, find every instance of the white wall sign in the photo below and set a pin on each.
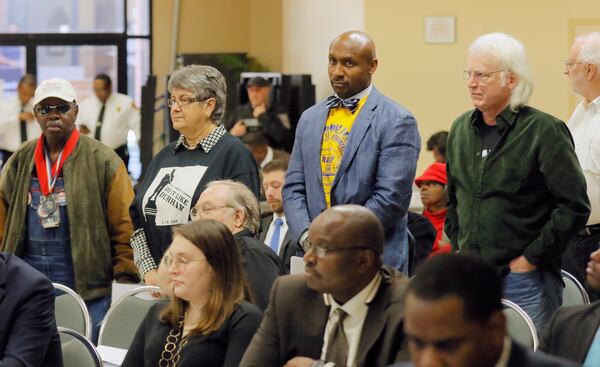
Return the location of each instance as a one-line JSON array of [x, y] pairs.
[[440, 29]]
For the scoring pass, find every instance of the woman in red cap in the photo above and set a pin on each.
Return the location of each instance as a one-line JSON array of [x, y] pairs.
[[432, 184]]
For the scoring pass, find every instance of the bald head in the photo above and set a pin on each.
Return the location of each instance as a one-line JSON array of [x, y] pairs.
[[360, 41], [351, 225], [352, 62]]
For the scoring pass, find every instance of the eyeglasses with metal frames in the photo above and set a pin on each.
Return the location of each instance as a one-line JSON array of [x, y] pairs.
[[322, 250], [479, 76], [183, 101], [205, 208], [179, 262], [569, 65]]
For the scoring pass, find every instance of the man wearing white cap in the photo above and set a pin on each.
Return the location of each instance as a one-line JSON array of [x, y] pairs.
[[64, 201]]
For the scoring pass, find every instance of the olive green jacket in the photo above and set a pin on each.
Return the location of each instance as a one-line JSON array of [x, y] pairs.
[[98, 193], [527, 197]]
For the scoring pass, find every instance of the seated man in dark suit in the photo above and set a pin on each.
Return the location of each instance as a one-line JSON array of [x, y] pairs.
[[233, 204], [273, 228], [347, 310], [454, 317], [574, 332], [28, 335]]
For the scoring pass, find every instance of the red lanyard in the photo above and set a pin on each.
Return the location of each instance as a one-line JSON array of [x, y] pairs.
[[39, 157]]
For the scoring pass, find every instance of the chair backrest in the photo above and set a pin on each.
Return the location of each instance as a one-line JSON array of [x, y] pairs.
[[77, 350], [125, 316], [519, 325], [573, 293], [71, 312]]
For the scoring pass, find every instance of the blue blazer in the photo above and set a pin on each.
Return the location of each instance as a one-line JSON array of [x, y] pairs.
[[28, 335], [377, 170]]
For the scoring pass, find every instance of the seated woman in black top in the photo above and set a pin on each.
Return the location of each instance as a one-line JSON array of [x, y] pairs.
[[207, 322]]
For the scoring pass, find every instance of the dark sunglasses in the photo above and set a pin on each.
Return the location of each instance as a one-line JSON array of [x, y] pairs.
[[60, 108]]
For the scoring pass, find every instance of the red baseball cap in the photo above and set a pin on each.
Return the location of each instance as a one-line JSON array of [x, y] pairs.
[[436, 172]]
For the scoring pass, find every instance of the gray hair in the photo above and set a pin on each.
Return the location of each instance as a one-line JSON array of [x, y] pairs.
[[205, 82], [242, 198], [589, 51], [510, 54]]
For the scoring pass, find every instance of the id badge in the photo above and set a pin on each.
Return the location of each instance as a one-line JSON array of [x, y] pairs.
[[52, 220]]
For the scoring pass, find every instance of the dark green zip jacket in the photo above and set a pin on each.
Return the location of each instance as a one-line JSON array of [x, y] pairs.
[[98, 197], [527, 197]]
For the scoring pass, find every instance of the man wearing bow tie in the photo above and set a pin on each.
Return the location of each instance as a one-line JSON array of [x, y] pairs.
[[358, 147]]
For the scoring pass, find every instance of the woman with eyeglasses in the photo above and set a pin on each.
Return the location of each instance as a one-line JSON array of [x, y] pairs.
[[179, 172], [207, 322]]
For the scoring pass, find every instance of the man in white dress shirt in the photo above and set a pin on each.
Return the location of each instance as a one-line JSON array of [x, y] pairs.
[[274, 228], [109, 116], [17, 123], [582, 68]]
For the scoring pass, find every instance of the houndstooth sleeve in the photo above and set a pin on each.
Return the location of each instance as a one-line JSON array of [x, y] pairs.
[[141, 252]]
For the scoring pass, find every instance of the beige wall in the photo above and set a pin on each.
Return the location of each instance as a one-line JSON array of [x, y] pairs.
[[308, 28], [426, 78], [214, 26], [266, 33], [206, 26]]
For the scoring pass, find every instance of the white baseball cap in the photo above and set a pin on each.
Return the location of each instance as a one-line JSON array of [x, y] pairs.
[[55, 87]]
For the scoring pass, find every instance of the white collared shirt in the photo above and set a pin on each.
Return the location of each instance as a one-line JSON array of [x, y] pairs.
[[282, 232], [585, 128], [10, 125], [120, 115], [356, 309], [268, 158]]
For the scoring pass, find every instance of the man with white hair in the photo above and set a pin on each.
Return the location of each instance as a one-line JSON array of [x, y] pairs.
[[234, 204], [582, 68], [517, 193]]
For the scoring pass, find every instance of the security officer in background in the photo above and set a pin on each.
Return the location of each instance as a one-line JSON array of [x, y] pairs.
[[109, 116], [17, 123]]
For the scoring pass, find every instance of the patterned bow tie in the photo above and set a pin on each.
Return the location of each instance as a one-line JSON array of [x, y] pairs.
[[349, 104]]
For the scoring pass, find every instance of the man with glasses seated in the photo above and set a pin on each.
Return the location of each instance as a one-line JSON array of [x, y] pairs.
[[64, 202], [347, 310], [517, 193], [234, 204]]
